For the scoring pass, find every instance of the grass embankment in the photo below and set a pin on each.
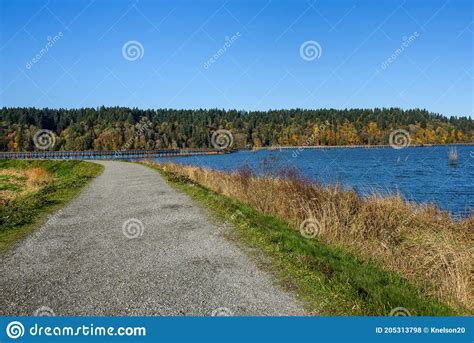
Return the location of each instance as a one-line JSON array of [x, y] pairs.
[[367, 256], [29, 190]]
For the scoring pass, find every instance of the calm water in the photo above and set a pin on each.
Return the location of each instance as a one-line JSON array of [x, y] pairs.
[[418, 174]]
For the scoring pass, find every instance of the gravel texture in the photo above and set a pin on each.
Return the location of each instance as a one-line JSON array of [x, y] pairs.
[[178, 263]]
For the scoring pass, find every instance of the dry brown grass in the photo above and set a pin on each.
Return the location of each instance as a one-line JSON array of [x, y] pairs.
[[6, 196], [22, 182], [421, 243], [37, 178]]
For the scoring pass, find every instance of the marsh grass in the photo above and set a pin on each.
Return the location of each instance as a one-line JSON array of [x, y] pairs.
[[419, 242]]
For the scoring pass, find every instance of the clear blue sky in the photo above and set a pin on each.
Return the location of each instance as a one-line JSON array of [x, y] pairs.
[[261, 69]]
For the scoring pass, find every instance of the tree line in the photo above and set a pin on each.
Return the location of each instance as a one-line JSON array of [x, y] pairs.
[[113, 128]]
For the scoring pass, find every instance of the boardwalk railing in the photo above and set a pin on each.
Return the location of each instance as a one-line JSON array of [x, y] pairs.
[[108, 154]]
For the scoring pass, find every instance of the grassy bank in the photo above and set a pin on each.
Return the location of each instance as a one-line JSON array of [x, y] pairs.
[[29, 190], [342, 267]]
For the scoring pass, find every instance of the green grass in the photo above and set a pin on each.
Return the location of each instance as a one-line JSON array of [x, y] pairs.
[[22, 215], [329, 280]]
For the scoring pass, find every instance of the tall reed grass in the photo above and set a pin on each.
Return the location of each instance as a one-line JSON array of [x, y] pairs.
[[420, 242]]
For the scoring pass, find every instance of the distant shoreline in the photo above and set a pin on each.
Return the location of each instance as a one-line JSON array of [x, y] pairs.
[[290, 147], [143, 153]]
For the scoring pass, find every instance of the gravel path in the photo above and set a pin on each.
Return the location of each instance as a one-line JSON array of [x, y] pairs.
[[82, 262]]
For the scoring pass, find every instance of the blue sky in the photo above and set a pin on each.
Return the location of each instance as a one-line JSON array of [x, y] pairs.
[[409, 54]]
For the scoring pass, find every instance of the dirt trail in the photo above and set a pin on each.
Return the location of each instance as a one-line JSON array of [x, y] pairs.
[[176, 263]]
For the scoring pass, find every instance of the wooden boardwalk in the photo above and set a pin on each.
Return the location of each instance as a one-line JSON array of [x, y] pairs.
[[108, 154], [145, 154]]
